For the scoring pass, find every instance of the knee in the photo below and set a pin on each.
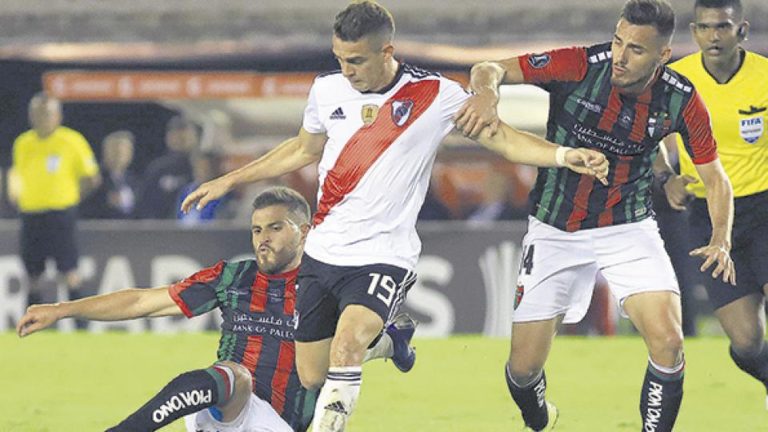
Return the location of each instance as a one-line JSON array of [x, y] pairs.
[[747, 344], [311, 378], [666, 346], [521, 372], [243, 380]]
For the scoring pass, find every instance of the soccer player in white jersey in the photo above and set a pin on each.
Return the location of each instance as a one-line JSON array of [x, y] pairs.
[[375, 126]]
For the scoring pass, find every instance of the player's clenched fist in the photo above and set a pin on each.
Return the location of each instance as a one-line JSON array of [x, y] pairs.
[[38, 317]]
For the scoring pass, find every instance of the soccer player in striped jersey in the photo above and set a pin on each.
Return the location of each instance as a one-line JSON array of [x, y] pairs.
[[374, 126], [620, 98], [254, 384], [732, 82]]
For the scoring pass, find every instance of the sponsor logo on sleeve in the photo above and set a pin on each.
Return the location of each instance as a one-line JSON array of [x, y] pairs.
[[538, 61]]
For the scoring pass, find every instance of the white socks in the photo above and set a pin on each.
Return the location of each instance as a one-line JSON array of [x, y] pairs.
[[382, 349], [337, 398]]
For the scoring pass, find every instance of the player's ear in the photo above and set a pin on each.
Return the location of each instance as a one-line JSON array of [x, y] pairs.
[[305, 230], [666, 54], [388, 49], [743, 31]]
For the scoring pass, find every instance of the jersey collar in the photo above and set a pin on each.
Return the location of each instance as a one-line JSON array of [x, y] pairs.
[[290, 274], [388, 87]]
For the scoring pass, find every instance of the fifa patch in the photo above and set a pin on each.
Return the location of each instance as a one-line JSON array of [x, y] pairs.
[[751, 129], [52, 163], [518, 296], [369, 113], [401, 111], [538, 61]]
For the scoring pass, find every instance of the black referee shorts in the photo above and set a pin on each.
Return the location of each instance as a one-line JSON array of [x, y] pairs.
[[749, 250], [50, 234]]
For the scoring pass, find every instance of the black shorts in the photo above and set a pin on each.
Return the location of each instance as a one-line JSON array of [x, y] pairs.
[[749, 250], [49, 234], [324, 291]]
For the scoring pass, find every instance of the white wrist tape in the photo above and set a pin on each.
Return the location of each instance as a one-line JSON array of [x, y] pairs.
[[560, 155]]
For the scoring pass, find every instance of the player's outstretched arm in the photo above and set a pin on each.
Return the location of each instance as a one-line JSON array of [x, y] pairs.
[[720, 205], [480, 110], [116, 306], [526, 148], [288, 156]]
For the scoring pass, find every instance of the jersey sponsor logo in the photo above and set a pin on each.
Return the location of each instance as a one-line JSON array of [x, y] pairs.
[[181, 401], [751, 129], [597, 139], [538, 61], [401, 111], [338, 114], [518, 296], [369, 113], [589, 105]]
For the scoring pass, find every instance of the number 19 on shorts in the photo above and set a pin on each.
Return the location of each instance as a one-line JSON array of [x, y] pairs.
[[383, 287]]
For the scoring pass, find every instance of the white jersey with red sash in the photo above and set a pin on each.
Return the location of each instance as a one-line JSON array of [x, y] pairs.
[[376, 165]]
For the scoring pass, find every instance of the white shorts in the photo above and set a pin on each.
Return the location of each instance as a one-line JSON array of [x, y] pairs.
[[558, 268], [257, 416]]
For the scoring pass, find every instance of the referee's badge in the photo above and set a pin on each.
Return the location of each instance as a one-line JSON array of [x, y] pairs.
[[369, 113], [52, 163], [752, 128]]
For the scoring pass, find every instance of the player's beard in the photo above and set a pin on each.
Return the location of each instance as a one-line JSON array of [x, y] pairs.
[[278, 264]]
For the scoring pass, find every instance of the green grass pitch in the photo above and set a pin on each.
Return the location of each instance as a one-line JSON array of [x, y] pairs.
[[88, 382]]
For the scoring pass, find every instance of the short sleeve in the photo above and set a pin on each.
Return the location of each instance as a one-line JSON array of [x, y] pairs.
[[562, 65], [695, 129], [198, 294], [452, 98], [311, 122], [86, 161]]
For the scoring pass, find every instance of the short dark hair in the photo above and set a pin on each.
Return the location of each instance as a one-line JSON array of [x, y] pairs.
[[362, 18], [656, 13], [721, 4], [287, 197]]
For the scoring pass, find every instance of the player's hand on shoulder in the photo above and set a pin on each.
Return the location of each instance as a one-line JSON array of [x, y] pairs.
[[206, 193], [478, 112], [37, 317], [720, 254], [677, 194], [589, 162]]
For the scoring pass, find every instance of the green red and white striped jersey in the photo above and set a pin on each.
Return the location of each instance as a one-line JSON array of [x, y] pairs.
[[585, 110], [257, 329]]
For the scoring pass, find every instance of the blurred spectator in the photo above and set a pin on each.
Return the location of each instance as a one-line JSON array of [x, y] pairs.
[[205, 166], [166, 175], [53, 166], [496, 204], [115, 198]]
